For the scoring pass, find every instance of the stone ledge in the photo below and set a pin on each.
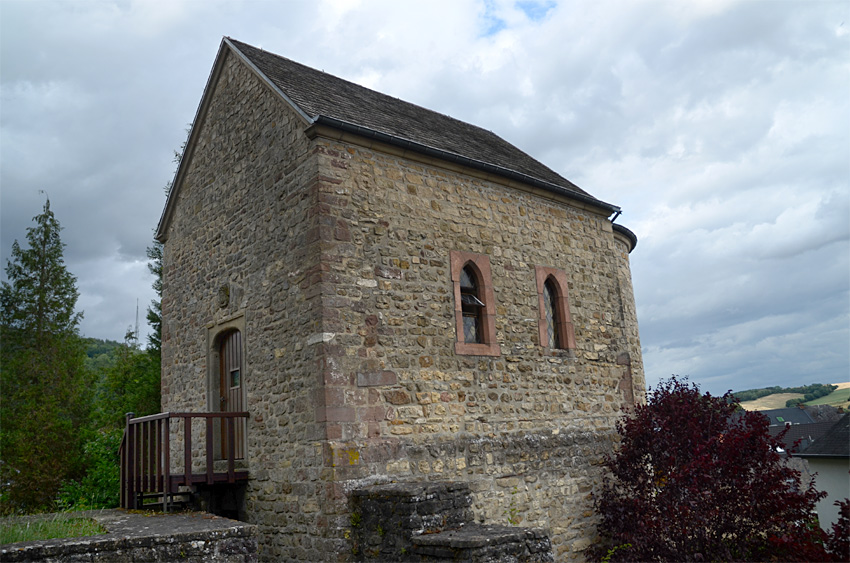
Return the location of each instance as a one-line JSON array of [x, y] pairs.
[[479, 535], [146, 536], [411, 492], [483, 542]]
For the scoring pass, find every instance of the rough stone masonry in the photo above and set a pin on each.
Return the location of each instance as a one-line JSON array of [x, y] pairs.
[[331, 253]]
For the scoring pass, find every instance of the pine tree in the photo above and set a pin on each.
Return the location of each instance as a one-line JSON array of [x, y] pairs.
[[39, 303], [154, 315], [45, 386]]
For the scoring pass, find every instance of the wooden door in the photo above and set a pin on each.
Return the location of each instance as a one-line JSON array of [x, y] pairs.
[[231, 390]]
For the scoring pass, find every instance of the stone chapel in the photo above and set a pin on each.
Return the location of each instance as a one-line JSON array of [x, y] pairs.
[[394, 297]]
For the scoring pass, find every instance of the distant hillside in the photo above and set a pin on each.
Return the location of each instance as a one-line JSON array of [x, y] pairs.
[[779, 397]]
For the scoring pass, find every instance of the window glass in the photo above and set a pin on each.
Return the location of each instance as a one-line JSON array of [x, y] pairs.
[[467, 280], [550, 304], [471, 307], [475, 304]]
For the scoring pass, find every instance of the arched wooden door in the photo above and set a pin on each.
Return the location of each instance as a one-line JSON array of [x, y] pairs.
[[231, 390]]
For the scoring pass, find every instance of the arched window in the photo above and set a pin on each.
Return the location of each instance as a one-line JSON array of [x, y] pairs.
[[475, 305], [550, 306], [471, 306], [555, 322]]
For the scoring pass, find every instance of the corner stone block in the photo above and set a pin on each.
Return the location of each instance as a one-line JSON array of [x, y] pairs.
[[335, 414], [374, 379]]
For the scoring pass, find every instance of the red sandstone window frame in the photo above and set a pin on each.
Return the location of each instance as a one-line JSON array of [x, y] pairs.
[[479, 264], [565, 332]]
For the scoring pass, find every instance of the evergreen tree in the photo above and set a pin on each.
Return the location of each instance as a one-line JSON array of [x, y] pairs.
[[39, 303], [154, 315], [45, 386]]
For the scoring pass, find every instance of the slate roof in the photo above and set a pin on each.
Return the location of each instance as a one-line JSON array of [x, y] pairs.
[[835, 443], [791, 415], [332, 101], [807, 434]]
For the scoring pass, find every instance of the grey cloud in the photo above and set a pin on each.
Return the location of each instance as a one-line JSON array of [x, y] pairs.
[[723, 130]]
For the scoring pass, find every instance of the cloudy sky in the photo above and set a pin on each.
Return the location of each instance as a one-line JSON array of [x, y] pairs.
[[721, 128]]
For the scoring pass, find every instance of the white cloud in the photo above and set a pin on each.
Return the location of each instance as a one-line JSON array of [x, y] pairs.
[[721, 127]]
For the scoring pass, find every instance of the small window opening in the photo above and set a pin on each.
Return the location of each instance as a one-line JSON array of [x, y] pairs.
[[471, 306], [550, 303], [555, 327]]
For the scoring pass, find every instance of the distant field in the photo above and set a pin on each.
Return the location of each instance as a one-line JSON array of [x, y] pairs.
[[838, 398], [775, 401]]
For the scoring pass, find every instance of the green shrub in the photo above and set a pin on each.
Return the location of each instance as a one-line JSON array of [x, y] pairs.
[[99, 488]]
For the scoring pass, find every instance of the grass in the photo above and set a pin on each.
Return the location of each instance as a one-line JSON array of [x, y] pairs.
[[838, 398], [775, 401], [13, 530]]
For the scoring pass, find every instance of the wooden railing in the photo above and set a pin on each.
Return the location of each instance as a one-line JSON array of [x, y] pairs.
[[146, 455]]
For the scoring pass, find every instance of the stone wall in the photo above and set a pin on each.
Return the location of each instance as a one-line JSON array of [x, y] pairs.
[[418, 522], [385, 518], [192, 538], [245, 221], [527, 428], [334, 254]]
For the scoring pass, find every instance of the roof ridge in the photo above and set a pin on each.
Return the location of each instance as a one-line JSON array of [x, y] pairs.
[[314, 93], [357, 85]]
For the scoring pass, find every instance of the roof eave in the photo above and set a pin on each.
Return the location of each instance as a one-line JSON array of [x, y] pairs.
[[822, 456], [627, 234], [426, 150]]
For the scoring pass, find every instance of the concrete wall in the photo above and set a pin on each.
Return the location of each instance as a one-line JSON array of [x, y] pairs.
[[832, 478], [335, 252]]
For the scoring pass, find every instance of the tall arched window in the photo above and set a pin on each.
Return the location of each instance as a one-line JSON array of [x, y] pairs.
[[550, 306], [475, 305], [555, 322], [471, 306]]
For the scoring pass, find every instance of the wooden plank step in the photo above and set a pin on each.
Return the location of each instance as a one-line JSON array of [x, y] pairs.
[[201, 478]]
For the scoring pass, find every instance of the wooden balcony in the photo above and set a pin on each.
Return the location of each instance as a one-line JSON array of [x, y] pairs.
[[146, 465]]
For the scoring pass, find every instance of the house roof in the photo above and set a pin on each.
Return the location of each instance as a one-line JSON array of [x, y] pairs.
[[336, 102], [323, 99], [791, 415], [805, 434], [835, 443]]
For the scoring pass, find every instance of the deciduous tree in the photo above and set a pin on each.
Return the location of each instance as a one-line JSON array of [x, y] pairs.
[[697, 480]]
